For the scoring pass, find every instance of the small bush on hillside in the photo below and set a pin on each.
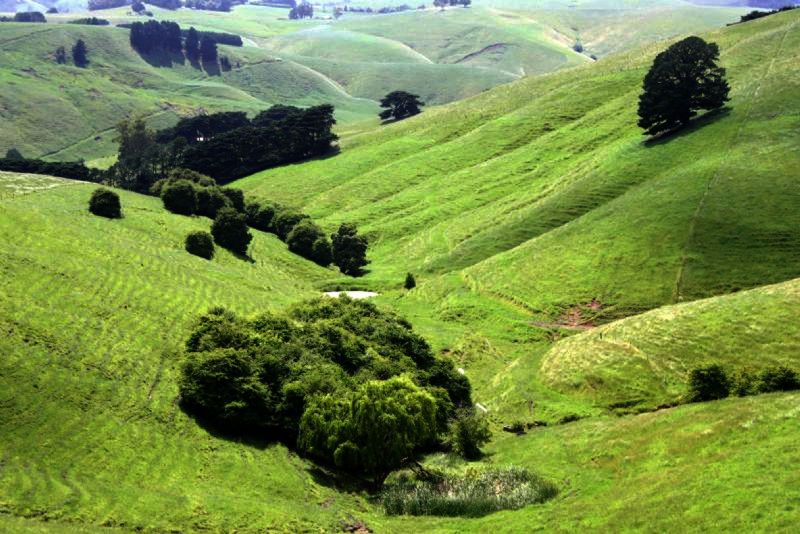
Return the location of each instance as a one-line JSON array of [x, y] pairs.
[[285, 221], [180, 197], [467, 433], [260, 216], [308, 240], [778, 378], [410, 282], [200, 244], [708, 383], [230, 231], [475, 494], [236, 196], [210, 200], [105, 203]]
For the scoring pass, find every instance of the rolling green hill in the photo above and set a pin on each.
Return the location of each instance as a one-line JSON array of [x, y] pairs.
[[64, 112], [645, 360], [544, 194], [525, 212]]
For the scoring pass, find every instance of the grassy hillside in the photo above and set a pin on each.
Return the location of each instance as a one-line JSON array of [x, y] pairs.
[[516, 209], [645, 360], [544, 193], [64, 112]]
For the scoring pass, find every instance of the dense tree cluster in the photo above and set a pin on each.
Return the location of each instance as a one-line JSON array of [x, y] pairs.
[[153, 36], [684, 79], [230, 39], [354, 385], [230, 230], [301, 11], [25, 16], [271, 139], [399, 105], [444, 3], [90, 21], [74, 170], [712, 382]]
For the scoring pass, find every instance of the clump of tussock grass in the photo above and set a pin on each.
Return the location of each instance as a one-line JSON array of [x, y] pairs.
[[473, 494]]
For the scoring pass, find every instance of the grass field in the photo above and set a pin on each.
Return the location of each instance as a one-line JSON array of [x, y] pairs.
[[515, 209], [61, 112]]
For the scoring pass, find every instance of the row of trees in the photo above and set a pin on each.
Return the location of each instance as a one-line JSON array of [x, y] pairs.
[[187, 192], [351, 385], [25, 16], [712, 382]]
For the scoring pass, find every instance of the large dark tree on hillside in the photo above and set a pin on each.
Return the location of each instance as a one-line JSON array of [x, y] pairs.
[[349, 249], [79, 54], [684, 79], [208, 50], [400, 105], [192, 45]]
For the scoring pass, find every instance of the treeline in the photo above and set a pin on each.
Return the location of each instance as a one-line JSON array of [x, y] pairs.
[[187, 192], [713, 382], [302, 11], [90, 21], [753, 15], [74, 170], [154, 37], [346, 383], [227, 146], [27, 16]]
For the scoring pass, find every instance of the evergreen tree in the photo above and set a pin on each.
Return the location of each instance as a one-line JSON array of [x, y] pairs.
[[410, 282], [684, 78], [208, 50], [80, 54], [400, 105], [192, 45]]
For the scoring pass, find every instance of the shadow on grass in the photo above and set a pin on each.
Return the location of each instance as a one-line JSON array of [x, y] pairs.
[[694, 125], [163, 58]]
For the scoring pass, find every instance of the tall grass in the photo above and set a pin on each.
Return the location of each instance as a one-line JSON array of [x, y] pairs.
[[473, 494]]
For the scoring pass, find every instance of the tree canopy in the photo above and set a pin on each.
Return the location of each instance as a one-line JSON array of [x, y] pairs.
[[400, 105], [349, 249], [684, 79]]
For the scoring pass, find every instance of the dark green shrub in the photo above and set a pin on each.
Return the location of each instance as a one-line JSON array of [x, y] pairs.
[[777, 378], [349, 250], [321, 252], [260, 216], [225, 383], [410, 282], [285, 221], [308, 240], [708, 383], [180, 197], [474, 494], [372, 430], [467, 433], [200, 244], [230, 231], [236, 196], [105, 203], [210, 200], [192, 176]]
